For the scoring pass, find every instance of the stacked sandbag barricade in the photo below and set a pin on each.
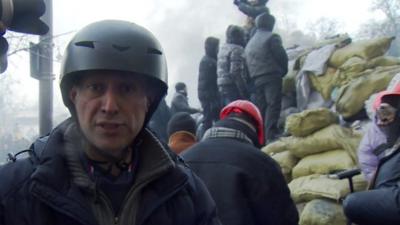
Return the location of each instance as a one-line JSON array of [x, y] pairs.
[[333, 83], [318, 146]]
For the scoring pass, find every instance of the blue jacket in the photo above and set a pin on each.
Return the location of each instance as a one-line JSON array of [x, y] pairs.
[[40, 190]]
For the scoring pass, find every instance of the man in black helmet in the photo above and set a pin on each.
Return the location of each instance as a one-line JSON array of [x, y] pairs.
[[103, 166]]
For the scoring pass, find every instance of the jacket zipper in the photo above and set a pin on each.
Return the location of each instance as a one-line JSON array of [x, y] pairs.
[[162, 200]]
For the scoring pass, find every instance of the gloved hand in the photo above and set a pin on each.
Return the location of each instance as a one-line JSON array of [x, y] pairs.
[[236, 2]]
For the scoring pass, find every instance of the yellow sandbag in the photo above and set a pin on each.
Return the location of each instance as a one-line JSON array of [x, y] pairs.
[[353, 66], [366, 49], [307, 122], [304, 189], [323, 163], [322, 212], [287, 161], [325, 83], [320, 141], [277, 146], [383, 61], [350, 144], [289, 81], [352, 96]]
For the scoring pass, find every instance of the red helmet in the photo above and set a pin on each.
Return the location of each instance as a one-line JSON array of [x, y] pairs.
[[244, 106], [378, 99]]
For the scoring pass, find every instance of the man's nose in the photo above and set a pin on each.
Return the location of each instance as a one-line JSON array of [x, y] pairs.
[[110, 102]]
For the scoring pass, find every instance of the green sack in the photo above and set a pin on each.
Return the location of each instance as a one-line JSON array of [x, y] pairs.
[[353, 66], [322, 212], [304, 189], [286, 161], [307, 122], [383, 61], [323, 140], [352, 96], [324, 84], [323, 163], [277, 146], [366, 49]]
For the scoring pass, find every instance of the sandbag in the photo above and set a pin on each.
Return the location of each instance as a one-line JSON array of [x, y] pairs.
[[304, 189], [280, 145], [323, 163], [326, 139], [366, 49], [289, 81], [286, 161], [322, 212], [307, 122], [325, 83], [383, 61], [353, 67], [351, 97]]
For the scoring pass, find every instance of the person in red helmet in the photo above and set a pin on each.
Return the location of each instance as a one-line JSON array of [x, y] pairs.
[[246, 184], [380, 204]]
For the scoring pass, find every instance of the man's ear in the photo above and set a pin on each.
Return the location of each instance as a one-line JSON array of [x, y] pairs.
[[72, 94]]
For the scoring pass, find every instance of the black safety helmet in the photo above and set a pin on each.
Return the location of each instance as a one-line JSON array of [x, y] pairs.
[[117, 46]]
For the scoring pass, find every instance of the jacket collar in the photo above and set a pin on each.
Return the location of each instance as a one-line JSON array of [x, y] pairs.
[[51, 181]]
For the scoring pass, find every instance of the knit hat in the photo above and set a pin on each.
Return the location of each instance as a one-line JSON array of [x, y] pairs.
[[181, 121]]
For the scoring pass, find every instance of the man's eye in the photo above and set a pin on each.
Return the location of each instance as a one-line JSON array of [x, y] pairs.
[[128, 88], [95, 87]]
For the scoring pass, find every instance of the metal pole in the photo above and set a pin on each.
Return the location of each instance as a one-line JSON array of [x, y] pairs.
[[46, 75]]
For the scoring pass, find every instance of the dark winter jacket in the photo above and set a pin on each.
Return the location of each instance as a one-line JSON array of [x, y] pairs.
[[180, 103], [57, 189], [207, 84], [159, 120], [388, 171], [246, 184], [231, 64], [252, 10], [265, 54]]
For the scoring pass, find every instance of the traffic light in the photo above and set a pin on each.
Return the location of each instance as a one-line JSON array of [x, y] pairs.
[[23, 16], [3, 54]]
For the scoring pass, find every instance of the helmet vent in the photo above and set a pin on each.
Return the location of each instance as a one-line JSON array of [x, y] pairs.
[[88, 44], [121, 48], [154, 51]]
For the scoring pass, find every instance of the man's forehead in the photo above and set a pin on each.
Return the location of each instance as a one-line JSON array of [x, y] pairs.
[[106, 75]]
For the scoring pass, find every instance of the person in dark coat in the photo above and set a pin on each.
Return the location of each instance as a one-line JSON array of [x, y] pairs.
[[231, 67], [381, 204], [247, 185], [251, 9], [267, 63], [180, 101], [103, 166], [207, 84], [159, 120], [181, 132]]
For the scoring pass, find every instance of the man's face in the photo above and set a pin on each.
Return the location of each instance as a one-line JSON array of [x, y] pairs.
[[385, 114], [111, 109]]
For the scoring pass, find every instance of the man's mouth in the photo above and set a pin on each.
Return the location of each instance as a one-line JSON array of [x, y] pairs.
[[109, 126]]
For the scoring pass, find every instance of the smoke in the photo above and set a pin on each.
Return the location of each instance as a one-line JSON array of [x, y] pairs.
[[182, 31]]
